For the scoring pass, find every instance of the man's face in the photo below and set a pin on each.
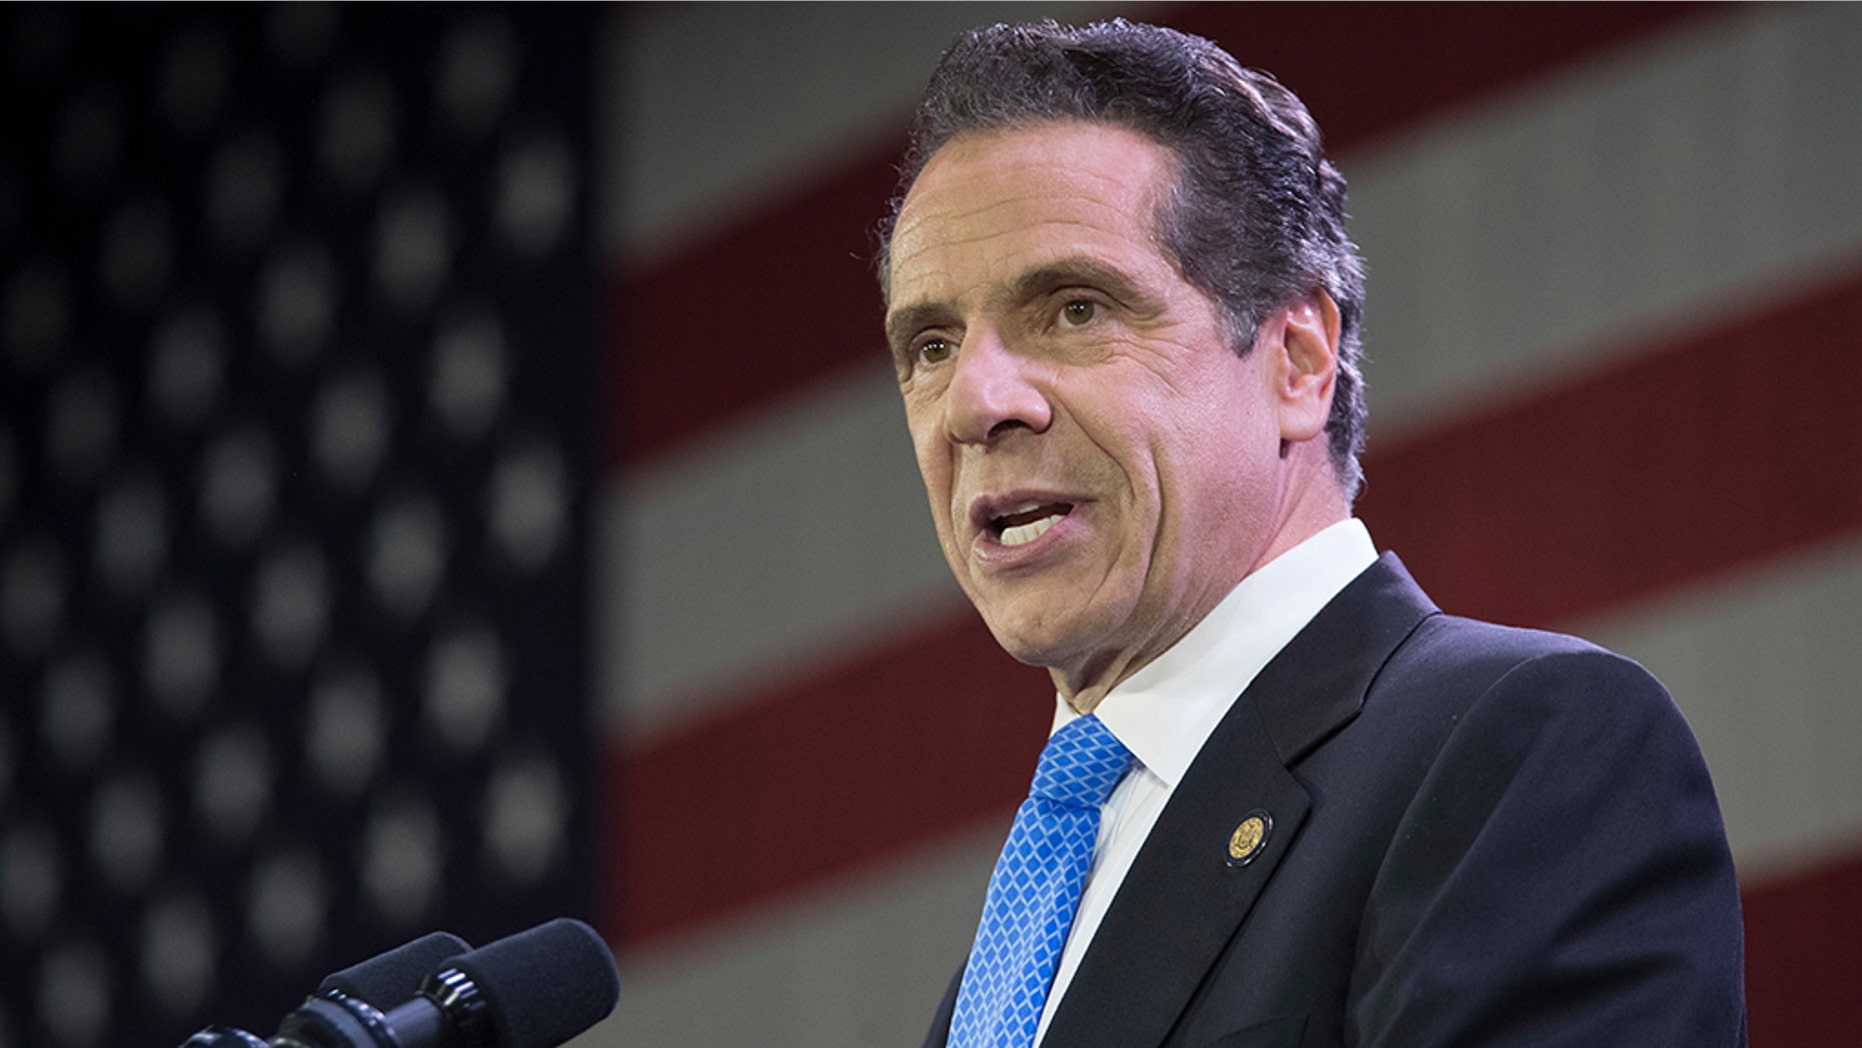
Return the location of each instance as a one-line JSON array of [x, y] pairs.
[[1102, 465]]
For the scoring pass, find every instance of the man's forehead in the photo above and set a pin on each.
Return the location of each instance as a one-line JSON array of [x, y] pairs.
[[1048, 151], [1026, 198]]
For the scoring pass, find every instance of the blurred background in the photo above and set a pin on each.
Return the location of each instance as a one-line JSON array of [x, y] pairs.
[[451, 476]]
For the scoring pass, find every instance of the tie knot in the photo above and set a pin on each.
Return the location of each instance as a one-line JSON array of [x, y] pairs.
[[1081, 764]]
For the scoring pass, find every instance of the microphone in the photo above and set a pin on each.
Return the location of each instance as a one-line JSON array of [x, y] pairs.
[[535, 989], [387, 979], [381, 981], [545, 985]]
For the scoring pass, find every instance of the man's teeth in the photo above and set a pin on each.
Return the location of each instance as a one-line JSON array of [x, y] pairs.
[[1026, 533]]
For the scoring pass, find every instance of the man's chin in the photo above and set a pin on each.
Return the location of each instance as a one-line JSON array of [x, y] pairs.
[[1052, 642]]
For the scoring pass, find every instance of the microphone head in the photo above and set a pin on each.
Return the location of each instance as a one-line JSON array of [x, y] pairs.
[[388, 979], [545, 985]]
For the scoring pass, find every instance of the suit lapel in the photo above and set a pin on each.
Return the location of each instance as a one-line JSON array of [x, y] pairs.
[[1183, 899]]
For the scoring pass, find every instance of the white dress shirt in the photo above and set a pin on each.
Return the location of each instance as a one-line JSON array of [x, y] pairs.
[[1166, 711]]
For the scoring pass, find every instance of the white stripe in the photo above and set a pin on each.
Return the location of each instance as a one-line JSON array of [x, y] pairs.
[[802, 533], [716, 109], [859, 964], [1670, 186], [1767, 666], [783, 543]]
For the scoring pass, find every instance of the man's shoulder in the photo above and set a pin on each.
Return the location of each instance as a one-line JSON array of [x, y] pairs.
[[1457, 641], [1434, 670], [1467, 668], [1384, 611]]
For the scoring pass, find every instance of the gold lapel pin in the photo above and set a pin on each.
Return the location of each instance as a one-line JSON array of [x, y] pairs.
[[1249, 837]]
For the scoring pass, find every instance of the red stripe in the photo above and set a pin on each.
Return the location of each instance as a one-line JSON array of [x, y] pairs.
[[822, 775], [1674, 463], [1366, 70], [737, 321], [773, 305], [1714, 450], [1803, 938]]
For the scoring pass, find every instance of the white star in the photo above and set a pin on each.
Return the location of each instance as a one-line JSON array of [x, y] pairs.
[[465, 687], [401, 858], [179, 952], [286, 904], [407, 549], [536, 191]]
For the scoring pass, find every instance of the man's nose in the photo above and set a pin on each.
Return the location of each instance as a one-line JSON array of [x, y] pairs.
[[991, 392]]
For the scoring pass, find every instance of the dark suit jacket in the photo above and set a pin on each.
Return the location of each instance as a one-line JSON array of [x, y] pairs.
[[1480, 836]]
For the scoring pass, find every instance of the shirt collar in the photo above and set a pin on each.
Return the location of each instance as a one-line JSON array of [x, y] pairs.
[[1165, 712]]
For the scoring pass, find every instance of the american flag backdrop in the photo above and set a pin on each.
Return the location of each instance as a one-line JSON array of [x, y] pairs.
[[296, 445], [450, 475]]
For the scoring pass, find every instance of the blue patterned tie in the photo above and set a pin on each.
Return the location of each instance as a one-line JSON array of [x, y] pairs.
[[1036, 888]]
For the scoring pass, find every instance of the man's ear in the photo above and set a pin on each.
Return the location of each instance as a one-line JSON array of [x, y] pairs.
[[1306, 365]]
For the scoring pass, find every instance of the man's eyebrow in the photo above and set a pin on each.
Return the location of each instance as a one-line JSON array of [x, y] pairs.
[[906, 321], [1078, 270], [1070, 271]]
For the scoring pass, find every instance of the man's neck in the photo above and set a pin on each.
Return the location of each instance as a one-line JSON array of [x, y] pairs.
[[1084, 691]]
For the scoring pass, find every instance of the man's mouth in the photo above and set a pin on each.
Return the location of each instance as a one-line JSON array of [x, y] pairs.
[[1027, 522]]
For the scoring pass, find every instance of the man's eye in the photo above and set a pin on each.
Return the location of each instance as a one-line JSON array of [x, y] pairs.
[[1079, 311], [935, 350]]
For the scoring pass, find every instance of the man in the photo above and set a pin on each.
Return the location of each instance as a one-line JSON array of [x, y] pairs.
[[1125, 314]]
